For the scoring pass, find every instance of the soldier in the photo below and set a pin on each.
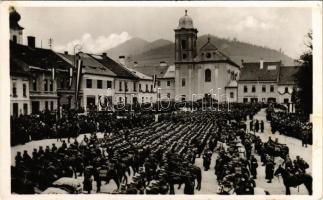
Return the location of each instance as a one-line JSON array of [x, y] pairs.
[[257, 126], [262, 126], [251, 125], [18, 158], [253, 167], [87, 184], [270, 165]]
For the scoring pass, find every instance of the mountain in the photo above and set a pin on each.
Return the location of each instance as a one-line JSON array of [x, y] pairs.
[[136, 46], [151, 53], [127, 48]]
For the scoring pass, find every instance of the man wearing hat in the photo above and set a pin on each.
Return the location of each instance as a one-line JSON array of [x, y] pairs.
[[270, 165]]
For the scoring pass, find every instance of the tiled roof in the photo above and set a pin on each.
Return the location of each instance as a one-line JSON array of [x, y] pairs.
[[151, 70], [90, 65], [115, 67], [252, 71], [18, 67], [208, 46], [36, 57], [170, 73], [287, 75]]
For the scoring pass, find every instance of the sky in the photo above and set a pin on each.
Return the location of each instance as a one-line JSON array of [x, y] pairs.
[[99, 29]]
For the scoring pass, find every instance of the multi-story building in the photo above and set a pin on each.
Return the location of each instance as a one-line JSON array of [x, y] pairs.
[[166, 84], [258, 82], [206, 73]]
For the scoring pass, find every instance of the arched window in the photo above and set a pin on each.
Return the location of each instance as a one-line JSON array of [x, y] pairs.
[[207, 75]]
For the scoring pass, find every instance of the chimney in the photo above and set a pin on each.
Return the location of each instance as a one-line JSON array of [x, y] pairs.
[[31, 41], [66, 52], [162, 64], [135, 64], [122, 60], [261, 63], [104, 54]]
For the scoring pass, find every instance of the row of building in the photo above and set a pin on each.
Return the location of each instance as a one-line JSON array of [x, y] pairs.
[[42, 79]]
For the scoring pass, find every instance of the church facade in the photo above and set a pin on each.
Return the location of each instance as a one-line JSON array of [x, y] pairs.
[[203, 73]]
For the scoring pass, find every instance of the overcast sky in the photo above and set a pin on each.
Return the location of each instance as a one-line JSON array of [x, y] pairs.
[[104, 28]]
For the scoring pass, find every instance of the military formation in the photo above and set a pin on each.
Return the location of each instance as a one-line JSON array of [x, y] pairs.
[[142, 155]]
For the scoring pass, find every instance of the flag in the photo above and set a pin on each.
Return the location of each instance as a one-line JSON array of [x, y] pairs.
[[53, 73], [70, 77], [78, 76], [154, 80]]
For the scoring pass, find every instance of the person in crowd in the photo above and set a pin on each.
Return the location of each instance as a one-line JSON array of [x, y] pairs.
[[257, 126], [262, 126], [253, 167], [270, 166]]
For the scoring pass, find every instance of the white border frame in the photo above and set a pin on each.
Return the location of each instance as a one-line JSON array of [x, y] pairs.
[[5, 101]]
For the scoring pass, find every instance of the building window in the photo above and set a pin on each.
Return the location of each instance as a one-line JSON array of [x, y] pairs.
[[25, 109], [253, 89], [168, 83], [134, 86], [52, 105], [120, 86], [286, 100], [184, 46], [109, 84], [208, 55], [254, 100], [120, 99], [146, 88], [24, 90], [46, 105], [125, 100], [263, 99], [139, 87], [62, 83], [46, 85], [14, 38], [286, 89], [245, 89], [272, 88], [51, 88], [158, 83], [231, 95], [184, 56], [126, 86], [245, 100], [263, 88], [151, 88], [99, 84], [207, 75], [168, 95], [142, 99], [34, 85], [88, 83], [183, 82], [14, 89]]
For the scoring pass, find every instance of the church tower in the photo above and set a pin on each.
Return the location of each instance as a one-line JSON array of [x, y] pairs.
[[185, 40], [15, 28]]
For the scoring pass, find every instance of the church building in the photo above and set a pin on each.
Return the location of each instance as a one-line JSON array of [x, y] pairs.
[[202, 73]]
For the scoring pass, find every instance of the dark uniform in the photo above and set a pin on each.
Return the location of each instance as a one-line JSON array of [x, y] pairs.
[[262, 126], [253, 167], [270, 165]]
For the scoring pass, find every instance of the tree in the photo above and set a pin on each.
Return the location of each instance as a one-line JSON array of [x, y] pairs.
[[304, 95]]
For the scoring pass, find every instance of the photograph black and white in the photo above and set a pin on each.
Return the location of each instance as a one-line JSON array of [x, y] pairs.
[[162, 100]]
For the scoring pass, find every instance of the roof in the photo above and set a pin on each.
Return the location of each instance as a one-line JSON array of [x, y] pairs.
[[116, 68], [216, 54], [90, 65], [151, 70], [18, 67], [252, 72], [140, 75], [208, 46], [287, 75], [170, 73], [36, 57]]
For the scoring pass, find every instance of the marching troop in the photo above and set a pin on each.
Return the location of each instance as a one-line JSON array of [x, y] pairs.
[[142, 155]]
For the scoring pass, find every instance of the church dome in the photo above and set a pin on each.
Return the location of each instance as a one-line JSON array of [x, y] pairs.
[[185, 22]]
